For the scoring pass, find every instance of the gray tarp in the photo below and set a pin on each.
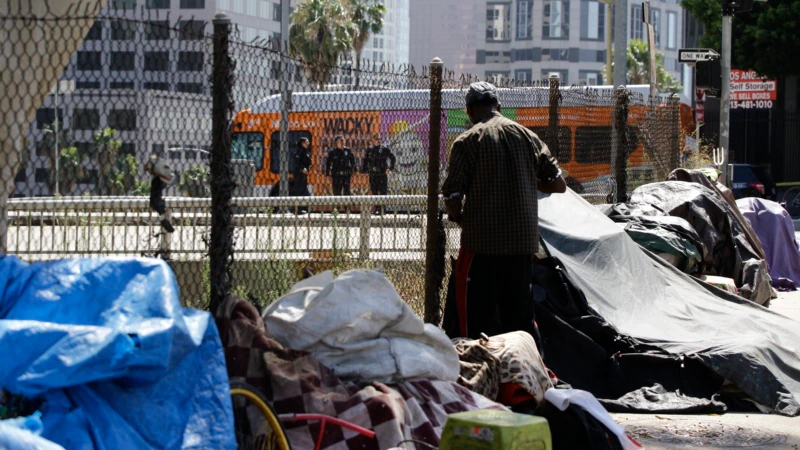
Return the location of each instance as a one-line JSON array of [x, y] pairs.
[[651, 301]]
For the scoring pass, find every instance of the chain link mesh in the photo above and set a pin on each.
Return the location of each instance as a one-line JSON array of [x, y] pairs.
[[135, 83]]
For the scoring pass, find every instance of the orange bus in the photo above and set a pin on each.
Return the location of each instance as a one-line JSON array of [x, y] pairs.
[[401, 119]]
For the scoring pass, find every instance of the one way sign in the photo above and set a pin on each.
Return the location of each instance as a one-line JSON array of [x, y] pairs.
[[693, 55]]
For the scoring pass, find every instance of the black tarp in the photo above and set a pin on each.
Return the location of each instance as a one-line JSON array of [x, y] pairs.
[[653, 305]]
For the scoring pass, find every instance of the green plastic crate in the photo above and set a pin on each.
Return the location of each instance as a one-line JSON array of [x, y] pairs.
[[495, 430]]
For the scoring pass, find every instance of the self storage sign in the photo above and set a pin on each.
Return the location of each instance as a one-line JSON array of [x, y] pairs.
[[749, 90]]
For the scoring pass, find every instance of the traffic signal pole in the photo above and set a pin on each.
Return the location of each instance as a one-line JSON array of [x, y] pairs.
[[725, 101]]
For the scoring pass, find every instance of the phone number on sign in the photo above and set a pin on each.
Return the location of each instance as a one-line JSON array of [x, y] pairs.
[[752, 104]]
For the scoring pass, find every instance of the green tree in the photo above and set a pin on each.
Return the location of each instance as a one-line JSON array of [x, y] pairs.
[[70, 168], [122, 178], [194, 182], [638, 62], [765, 39], [367, 19], [320, 32], [106, 152]]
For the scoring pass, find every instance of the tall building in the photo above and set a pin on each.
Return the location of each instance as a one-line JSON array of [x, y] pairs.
[[448, 29], [391, 44], [137, 74], [531, 40]]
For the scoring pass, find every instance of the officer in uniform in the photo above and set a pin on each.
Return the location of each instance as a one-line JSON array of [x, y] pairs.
[[301, 166], [378, 163], [340, 165]]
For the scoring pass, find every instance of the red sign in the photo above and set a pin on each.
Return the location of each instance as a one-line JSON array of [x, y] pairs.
[[751, 90], [700, 106]]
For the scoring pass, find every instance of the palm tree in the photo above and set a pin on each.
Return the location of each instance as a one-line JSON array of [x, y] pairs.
[[319, 34], [46, 146], [638, 62], [71, 169], [106, 151], [367, 18], [194, 182]]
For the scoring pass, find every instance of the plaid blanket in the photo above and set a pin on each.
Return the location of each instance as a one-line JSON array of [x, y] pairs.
[[295, 382]]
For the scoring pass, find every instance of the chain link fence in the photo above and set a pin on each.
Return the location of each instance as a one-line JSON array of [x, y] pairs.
[[232, 116]]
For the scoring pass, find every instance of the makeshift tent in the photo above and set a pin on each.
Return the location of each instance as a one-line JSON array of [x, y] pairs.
[[652, 304], [730, 252], [775, 229], [116, 360]]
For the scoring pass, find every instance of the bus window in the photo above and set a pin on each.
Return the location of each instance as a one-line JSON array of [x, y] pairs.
[[248, 146], [564, 140], [593, 145], [275, 149]]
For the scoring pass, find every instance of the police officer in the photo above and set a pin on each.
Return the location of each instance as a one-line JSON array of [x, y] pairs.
[[302, 164], [340, 165], [378, 163]]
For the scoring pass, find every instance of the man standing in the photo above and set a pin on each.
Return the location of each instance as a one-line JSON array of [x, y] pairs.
[[339, 166], [379, 162], [497, 167], [302, 163]]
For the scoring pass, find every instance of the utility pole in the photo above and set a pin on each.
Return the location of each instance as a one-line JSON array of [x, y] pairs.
[[620, 43], [608, 76], [286, 100], [725, 113]]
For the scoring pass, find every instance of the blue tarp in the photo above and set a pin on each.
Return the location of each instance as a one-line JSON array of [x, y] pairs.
[[116, 359]]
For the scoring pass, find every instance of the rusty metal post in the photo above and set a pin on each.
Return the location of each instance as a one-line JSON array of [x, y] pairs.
[[620, 143], [433, 280], [221, 244], [552, 141], [675, 132]]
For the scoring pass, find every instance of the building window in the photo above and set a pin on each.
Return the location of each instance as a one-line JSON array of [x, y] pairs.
[[127, 148], [121, 85], [555, 54], [238, 6], [157, 30], [191, 30], [41, 175], [85, 119], [590, 78], [123, 30], [523, 76], [555, 24], [656, 21], [224, 5], [193, 4], [265, 9], [276, 12], [672, 30], [96, 32], [251, 8], [498, 22], [88, 61], [123, 4], [190, 88], [122, 119], [190, 61], [46, 116], [636, 22], [524, 19], [21, 177], [593, 23], [156, 61], [122, 61], [156, 86], [87, 85], [90, 177], [157, 4]]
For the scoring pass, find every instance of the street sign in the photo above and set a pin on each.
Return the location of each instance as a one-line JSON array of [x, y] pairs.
[[693, 55], [750, 91]]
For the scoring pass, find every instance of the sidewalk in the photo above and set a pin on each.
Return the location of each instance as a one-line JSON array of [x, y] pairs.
[[729, 431]]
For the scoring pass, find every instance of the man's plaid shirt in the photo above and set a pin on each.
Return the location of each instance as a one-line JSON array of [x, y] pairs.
[[496, 165]]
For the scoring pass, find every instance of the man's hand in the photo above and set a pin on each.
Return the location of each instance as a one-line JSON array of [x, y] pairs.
[[388, 171], [453, 207], [557, 186], [305, 171]]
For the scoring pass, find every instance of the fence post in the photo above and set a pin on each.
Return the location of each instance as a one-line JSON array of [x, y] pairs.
[[221, 245], [433, 278], [552, 141], [619, 143], [675, 135]]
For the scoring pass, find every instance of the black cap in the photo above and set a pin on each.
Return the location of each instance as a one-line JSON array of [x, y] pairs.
[[481, 92]]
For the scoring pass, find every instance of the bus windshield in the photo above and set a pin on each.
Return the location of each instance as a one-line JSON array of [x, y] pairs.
[[248, 146]]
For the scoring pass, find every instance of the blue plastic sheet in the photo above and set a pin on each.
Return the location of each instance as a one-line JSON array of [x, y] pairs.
[[117, 360]]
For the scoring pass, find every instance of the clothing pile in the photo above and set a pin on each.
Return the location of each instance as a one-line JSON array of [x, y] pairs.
[[354, 331]]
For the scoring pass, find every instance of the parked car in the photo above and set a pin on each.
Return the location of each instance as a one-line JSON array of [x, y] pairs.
[[752, 181]]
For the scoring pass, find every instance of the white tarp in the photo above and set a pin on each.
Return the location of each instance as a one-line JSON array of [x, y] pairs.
[[358, 325]]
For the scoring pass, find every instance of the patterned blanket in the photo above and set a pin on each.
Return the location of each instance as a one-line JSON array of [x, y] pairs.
[[295, 382]]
